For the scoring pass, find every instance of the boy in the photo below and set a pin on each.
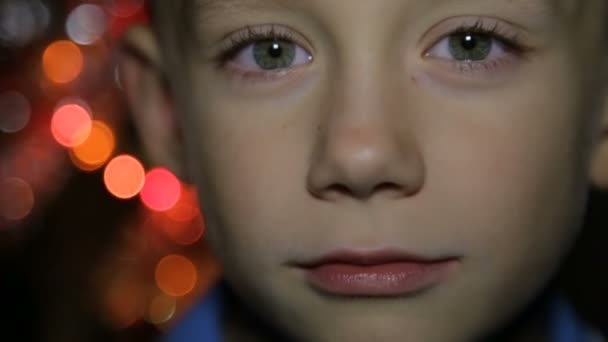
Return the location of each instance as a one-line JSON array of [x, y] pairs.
[[388, 170]]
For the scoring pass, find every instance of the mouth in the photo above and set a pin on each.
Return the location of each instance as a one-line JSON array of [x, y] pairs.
[[377, 273]]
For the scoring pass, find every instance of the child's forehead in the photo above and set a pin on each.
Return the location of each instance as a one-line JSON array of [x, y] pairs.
[[532, 5], [555, 11]]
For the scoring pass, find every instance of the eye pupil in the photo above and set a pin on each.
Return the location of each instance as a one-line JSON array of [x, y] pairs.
[[469, 42], [275, 50]]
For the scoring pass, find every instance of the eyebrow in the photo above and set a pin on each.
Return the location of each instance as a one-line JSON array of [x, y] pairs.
[[234, 5]]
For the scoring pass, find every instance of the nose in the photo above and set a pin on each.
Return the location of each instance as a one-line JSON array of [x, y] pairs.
[[365, 147]]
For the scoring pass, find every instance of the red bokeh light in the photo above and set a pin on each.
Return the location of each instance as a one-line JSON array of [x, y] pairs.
[[161, 190], [71, 125]]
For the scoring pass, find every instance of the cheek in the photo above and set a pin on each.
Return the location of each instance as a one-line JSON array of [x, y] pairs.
[[251, 170], [513, 178]]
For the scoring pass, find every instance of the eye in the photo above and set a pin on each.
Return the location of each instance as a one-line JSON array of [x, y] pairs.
[[470, 47], [269, 55]]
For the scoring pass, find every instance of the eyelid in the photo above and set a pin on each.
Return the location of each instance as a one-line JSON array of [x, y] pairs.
[[227, 44], [504, 29]]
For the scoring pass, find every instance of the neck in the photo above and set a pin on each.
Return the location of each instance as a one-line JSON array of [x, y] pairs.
[[530, 325]]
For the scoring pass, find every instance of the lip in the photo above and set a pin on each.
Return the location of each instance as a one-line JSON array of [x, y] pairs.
[[386, 272]]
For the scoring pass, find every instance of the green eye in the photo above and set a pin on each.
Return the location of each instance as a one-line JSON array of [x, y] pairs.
[[274, 54], [470, 46]]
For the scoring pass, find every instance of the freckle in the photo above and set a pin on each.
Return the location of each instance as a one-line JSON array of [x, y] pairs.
[[414, 79]]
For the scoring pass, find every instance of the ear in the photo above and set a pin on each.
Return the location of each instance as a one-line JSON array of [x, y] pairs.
[[599, 161], [149, 99]]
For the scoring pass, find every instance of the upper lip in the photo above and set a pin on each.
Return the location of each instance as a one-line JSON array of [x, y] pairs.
[[376, 257]]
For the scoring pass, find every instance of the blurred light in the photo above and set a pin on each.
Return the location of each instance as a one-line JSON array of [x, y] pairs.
[[184, 224], [22, 21], [123, 302], [15, 112], [71, 125], [124, 177], [185, 233], [62, 61], [38, 160], [176, 275], [161, 309], [125, 8], [161, 190], [186, 209], [86, 24], [95, 151], [16, 199]]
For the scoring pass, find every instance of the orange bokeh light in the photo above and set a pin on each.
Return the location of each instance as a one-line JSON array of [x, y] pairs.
[[176, 275], [95, 151], [161, 190], [71, 125], [62, 61], [124, 176]]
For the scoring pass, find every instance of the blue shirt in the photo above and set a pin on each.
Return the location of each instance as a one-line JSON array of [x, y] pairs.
[[203, 324]]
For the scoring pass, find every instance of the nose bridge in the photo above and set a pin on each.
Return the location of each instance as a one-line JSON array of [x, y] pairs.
[[365, 144]]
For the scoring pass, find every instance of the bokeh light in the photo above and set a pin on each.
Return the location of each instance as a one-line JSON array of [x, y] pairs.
[[125, 8], [71, 124], [22, 21], [86, 24], [185, 233], [161, 309], [161, 190], [16, 199], [62, 61], [15, 112], [123, 302], [186, 209], [176, 275], [183, 223], [124, 176], [95, 151]]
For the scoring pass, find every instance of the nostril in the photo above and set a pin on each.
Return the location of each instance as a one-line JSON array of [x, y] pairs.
[[340, 189], [335, 191], [389, 188]]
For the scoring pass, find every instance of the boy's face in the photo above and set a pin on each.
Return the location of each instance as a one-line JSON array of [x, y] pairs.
[[372, 125]]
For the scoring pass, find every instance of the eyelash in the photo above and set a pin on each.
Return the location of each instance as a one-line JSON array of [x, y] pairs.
[[251, 35]]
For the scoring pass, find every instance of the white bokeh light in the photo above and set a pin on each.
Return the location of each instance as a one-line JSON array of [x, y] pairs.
[[86, 24], [22, 21], [15, 111]]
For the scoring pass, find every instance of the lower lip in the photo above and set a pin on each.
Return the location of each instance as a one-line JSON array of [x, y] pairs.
[[390, 279]]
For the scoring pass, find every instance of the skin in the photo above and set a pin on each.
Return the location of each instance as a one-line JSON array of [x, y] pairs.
[[375, 143]]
